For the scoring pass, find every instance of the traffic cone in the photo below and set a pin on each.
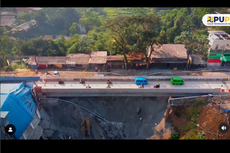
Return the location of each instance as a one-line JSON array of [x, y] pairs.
[[54, 85]]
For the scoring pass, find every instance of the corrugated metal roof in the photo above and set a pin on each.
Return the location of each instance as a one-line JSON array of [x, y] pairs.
[[98, 57], [48, 37], [218, 31], [77, 59], [32, 61], [98, 53], [170, 51], [115, 58], [7, 20], [51, 59], [136, 55]]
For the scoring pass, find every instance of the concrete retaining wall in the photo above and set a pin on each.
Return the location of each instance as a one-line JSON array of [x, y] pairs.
[[127, 90], [123, 92], [186, 100], [18, 79], [130, 78]]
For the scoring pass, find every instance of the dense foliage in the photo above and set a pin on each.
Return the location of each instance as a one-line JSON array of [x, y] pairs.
[[117, 30]]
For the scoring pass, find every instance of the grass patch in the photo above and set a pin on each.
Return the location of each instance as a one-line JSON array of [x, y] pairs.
[[187, 137], [194, 110], [200, 137], [17, 66], [194, 131], [189, 126], [189, 130]]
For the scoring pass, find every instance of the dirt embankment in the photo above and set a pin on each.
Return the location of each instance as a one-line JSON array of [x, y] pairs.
[[29, 72], [199, 120]]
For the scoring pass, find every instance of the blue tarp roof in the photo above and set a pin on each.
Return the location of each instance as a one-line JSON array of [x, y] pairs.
[[17, 99]]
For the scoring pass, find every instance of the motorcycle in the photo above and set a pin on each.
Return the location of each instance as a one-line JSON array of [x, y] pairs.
[[157, 86], [61, 82], [109, 82], [82, 81], [88, 86]]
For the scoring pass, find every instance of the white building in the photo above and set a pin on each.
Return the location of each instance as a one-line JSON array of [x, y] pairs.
[[219, 40]]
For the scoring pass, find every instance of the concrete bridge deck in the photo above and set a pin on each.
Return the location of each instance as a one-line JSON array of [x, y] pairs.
[[128, 88]]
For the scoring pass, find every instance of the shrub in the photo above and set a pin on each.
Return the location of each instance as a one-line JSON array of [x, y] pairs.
[[175, 136], [200, 137]]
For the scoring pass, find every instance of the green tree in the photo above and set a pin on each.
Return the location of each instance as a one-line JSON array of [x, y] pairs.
[[175, 136], [74, 29], [192, 43], [141, 11], [41, 18], [119, 27], [25, 17], [145, 29], [90, 19], [103, 41], [205, 10], [6, 45]]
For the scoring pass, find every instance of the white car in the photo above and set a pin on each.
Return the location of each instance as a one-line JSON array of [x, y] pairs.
[[56, 73]]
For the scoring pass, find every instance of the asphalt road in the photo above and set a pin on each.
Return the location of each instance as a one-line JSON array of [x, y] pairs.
[[132, 85]]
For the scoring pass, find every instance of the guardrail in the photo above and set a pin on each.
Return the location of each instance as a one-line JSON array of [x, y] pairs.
[[18, 79], [130, 78]]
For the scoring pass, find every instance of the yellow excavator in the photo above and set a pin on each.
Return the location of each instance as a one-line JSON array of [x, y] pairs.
[[86, 127]]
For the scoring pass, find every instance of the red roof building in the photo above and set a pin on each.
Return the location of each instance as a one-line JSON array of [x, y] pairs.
[[48, 37], [26, 9]]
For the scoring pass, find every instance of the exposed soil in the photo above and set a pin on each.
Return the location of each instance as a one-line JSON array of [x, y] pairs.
[[209, 120], [29, 72], [193, 121]]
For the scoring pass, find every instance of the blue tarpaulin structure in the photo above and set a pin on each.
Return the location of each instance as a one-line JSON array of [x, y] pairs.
[[16, 98]]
